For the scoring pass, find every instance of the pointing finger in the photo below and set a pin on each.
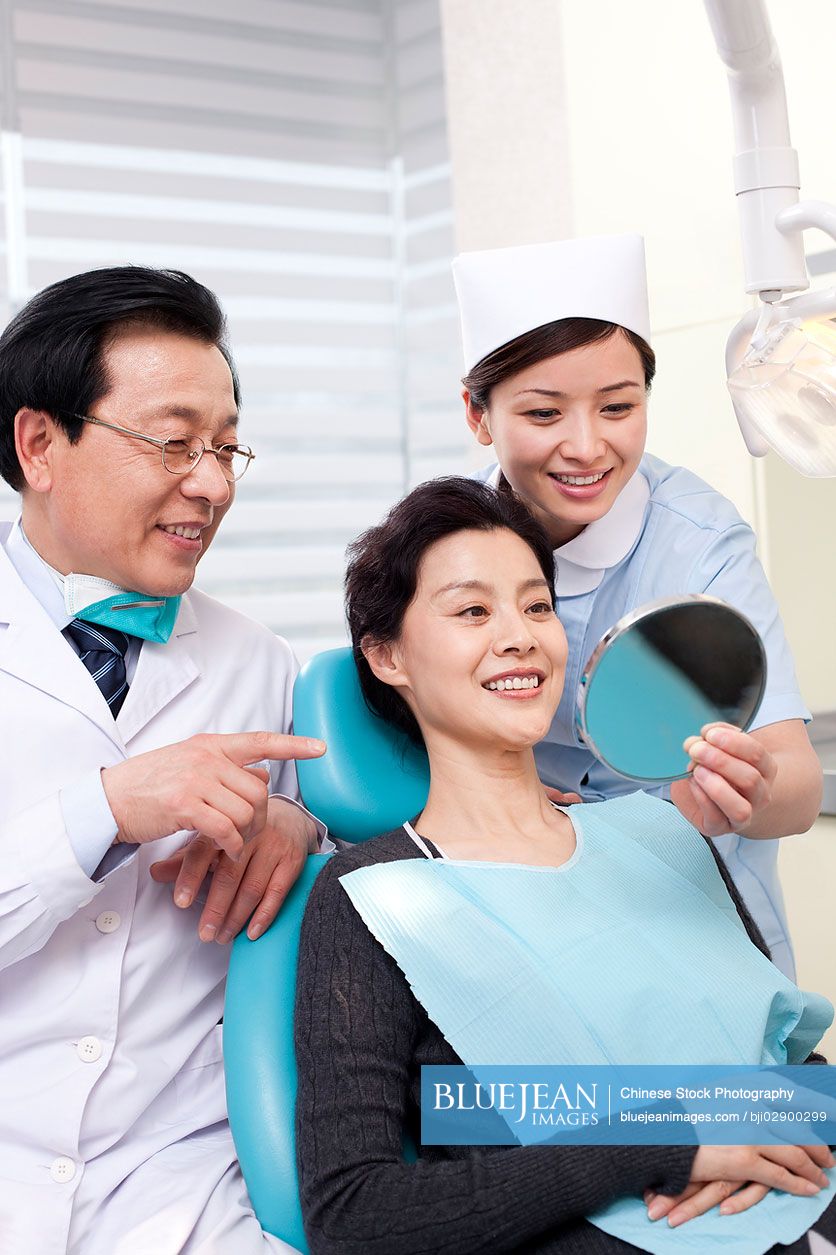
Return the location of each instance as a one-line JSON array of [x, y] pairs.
[[251, 747]]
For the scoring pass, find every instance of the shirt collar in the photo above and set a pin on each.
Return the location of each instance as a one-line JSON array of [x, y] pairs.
[[42, 580], [47, 585], [583, 562]]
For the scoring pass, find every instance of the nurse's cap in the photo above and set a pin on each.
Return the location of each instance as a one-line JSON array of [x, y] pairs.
[[504, 292]]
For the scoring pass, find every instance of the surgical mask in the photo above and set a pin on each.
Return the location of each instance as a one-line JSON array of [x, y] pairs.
[[785, 387], [99, 601]]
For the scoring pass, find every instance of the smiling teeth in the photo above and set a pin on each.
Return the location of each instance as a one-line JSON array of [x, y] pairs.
[[578, 480], [190, 533], [515, 682]]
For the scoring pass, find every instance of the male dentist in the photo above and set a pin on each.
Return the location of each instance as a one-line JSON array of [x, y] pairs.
[[132, 711]]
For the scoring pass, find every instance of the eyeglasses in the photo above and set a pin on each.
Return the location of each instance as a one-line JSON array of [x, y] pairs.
[[181, 454]]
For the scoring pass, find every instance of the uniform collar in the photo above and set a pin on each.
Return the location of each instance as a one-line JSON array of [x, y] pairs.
[[31, 603], [583, 562], [43, 582]]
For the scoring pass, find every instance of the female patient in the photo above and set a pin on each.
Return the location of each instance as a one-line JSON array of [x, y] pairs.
[[518, 924]]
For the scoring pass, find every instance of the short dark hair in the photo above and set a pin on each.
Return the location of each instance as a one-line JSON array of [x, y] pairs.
[[552, 338], [52, 352], [382, 573]]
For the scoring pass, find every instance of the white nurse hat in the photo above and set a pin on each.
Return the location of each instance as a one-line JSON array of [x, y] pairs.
[[504, 292]]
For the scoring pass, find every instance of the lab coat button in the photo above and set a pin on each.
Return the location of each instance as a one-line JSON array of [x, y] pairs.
[[62, 1169], [108, 921], [89, 1049]]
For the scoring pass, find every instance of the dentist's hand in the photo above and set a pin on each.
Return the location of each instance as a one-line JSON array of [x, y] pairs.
[[202, 783], [731, 779], [256, 885]]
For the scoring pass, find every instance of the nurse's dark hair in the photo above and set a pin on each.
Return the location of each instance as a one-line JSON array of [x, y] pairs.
[[52, 353], [552, 338], [383, 568]]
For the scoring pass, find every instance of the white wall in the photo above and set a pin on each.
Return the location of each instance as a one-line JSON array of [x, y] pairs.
[[506, 109]]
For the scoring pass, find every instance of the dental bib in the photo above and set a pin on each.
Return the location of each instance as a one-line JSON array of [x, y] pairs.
[[99, 601], [631, 952]]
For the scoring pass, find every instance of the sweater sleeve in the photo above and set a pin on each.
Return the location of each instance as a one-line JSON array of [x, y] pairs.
[[356, 1027]]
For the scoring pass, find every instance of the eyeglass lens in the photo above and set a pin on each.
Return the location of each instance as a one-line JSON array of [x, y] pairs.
[[181, 456]]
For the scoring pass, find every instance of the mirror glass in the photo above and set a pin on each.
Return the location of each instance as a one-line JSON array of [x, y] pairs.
[[662, 673]]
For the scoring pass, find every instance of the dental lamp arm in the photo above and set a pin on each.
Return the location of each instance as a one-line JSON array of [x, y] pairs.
[[806, 214], [766, 177], [772, 223]]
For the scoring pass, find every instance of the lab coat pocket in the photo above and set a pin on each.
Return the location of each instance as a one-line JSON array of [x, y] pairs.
[[197, 1092]]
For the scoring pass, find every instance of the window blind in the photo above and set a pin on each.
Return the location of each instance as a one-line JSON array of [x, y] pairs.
[[293, 157]]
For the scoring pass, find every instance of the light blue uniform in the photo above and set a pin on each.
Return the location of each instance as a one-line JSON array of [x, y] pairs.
[[669, 532]]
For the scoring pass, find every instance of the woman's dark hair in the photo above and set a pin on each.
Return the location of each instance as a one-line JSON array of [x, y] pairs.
[[547, 341], [383, 563], [52, 352]]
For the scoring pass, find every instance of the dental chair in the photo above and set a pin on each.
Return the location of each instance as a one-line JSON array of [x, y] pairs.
[[370, 780]]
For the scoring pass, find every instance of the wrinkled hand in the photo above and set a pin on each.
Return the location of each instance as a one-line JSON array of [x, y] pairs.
[[731, 779], [562, 799], [255, 885], [201, 784]]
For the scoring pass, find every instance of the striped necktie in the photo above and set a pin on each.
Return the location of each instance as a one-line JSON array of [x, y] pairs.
[[102, 650]]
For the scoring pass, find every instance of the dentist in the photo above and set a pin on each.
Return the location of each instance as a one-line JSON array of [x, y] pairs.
[[129, 705]]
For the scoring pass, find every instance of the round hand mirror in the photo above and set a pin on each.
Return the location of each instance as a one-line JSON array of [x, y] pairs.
[[662, 673]]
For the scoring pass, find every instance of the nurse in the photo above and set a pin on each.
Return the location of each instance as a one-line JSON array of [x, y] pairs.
[[559, 365]]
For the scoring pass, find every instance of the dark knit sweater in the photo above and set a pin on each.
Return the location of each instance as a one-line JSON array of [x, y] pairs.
[[361, 1040]]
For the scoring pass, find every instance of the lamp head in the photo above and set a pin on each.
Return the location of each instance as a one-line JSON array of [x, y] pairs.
[[783, 384]]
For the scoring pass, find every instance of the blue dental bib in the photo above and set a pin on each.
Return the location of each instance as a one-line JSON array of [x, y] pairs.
[[632, 952]]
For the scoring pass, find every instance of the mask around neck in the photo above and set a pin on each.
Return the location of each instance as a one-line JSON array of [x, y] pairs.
[[99, 601]]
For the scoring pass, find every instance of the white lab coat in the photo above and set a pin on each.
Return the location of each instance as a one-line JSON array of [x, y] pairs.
[[113, 1132]]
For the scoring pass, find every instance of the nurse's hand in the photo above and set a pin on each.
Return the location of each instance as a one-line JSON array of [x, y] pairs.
[[255, 885], [202, 784], [730, 781], [562, 799]]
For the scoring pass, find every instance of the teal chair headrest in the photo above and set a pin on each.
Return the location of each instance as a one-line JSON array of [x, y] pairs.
[[372, 777]]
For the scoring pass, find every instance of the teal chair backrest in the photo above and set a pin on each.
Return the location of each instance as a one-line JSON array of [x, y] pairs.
[[260, 1062], [370, 780], [371, 777]]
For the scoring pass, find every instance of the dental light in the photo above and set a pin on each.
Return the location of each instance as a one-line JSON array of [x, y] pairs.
[[781, 357]]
